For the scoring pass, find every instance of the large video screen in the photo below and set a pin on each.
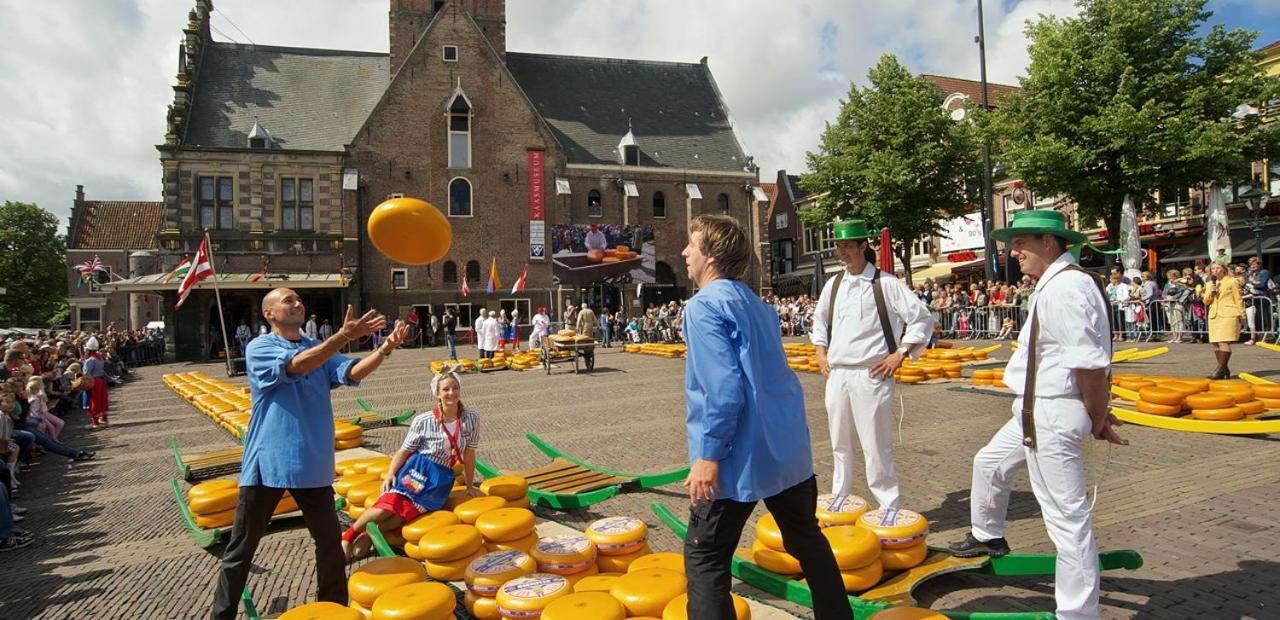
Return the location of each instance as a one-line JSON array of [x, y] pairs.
[[584, 254]]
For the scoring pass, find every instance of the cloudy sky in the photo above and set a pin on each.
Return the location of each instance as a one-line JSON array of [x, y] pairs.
[[84, 84]]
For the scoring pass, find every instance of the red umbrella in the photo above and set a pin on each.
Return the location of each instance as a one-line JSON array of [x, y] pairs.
[[886, 251]]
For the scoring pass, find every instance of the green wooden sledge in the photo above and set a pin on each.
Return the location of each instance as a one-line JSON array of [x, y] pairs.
[[208, 537]]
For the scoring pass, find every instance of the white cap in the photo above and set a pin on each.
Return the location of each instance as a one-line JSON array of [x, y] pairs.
[[92, 345]]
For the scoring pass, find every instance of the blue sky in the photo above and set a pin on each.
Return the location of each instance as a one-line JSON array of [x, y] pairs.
[[1262, 16]]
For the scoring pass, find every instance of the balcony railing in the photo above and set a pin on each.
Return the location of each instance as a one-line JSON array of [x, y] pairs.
[[268, 243]]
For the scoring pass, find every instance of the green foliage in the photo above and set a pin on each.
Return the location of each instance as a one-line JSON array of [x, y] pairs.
[[32, 266], [1127, 99], [895, 158]]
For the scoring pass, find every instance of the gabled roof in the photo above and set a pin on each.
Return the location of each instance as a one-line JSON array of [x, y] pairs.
[[971, 88], [116, 225], [1270, 46], [674, 109], [309, 99], [793, 188]]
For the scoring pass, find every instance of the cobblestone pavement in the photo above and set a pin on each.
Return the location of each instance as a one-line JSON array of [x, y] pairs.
[[1200, 508]]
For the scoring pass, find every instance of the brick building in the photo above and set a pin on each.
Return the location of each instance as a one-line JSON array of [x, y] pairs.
[[122, 235], [282, 154]]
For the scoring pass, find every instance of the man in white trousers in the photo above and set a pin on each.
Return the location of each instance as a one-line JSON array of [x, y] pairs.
[[1059, 374], [862, 335]]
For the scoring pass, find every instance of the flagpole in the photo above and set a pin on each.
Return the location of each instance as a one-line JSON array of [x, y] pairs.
[[226, 345]]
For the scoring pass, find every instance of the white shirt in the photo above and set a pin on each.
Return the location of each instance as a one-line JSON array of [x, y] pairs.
[[540, 324], [311, 329], [595, 241], [488, 336], [859, 339], [1073, 333]]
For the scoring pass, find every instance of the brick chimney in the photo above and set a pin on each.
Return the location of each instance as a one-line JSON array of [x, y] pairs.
[[408, 19], [491, 16]]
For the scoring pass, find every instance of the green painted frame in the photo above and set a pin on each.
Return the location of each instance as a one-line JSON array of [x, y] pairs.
[[643, 481]]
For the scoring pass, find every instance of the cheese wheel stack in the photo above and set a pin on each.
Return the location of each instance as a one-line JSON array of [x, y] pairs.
[[362, 465], [486, 575], [347, 435], [419, 601], [380, 576], [413, 531], [983, 377], [768, 551], [514, 489], [447, 551], [902, 536], [1163, 400], [572, 556], [213, 503], [997, 378], [507, 528], [526, 597], [470, 510], [1268, 395], [619, 541], [858, 554], [647, 592]]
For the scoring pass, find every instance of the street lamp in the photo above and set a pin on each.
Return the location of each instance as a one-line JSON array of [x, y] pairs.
[[988, 205], [1253, 201]]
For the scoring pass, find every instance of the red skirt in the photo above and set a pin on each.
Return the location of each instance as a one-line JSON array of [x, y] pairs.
[[98, 402], [398, 505]]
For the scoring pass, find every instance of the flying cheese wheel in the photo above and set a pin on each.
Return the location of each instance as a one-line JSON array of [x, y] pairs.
[[1267, 391], [481, 607], [486, 574], [360, 492], [322, 610], [210, 487], [413, 530], [862, 578], [1252, 407], [678, 608], [504, 524], [343, 485], [1158, 409], [416, 601], [902, 559], [906, 613], [768, 534], [647, 592], [410, 231], [897, 528], [779, 562], [596, 583], [525, 544], [216, 519], [1209, 400], [452, 570], [378, 576], [210, 502], [507, 487], [853, 546], [617, 535], [1224, 413], [665, 559], [451, 542], [564, 555], [840, 509], [471, 509], [620, 563], [580, 605], [1161, 396], [526, 597]]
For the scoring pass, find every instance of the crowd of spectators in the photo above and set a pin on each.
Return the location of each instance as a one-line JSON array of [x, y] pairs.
[[659, 323]]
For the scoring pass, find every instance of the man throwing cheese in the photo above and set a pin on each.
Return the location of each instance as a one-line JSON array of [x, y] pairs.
[[856, 328], [747, 431], [1059, 373]]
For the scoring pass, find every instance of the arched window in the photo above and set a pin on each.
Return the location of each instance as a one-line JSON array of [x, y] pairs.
[[459, 131], [659, 205], [473, 271], [593, 204], [450, 272], [722, 201], [459, 198]]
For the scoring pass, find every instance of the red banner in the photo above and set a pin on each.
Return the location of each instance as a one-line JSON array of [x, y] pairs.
[[536, 184]]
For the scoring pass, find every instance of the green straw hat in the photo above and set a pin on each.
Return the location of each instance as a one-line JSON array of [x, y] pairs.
[[852, 229], [1038, 222]]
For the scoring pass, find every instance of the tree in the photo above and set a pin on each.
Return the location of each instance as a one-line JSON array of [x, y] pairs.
[[32, 265], [1127, 98], [895, 158]]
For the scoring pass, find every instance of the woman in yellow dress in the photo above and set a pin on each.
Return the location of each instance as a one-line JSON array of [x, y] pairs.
[[1222, 294]]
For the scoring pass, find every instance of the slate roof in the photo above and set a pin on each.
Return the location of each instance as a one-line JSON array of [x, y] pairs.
[[972, 88], [674, 110], [309, 99], [117, 225], [793, 186]]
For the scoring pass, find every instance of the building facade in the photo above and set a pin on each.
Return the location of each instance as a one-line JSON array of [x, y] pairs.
[[121, 235]]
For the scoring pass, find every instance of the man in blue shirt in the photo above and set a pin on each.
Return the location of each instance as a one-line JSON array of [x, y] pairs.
[[748, 435], [289, 445]]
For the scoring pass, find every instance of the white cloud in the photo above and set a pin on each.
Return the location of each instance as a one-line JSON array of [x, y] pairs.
[[84, 84]]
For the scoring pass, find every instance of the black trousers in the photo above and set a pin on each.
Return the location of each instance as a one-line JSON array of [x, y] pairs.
[[715, 529], [253, 513]]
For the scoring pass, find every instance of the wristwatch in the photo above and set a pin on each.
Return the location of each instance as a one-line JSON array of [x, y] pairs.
[[904, 350]]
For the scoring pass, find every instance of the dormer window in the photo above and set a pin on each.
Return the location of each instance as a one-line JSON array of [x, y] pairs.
[[450, 53], [458, 113], [259, 137], [629, 149]]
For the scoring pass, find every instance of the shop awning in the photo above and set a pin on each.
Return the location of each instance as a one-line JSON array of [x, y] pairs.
[[1243, 244], [941, 272], [155, 283]]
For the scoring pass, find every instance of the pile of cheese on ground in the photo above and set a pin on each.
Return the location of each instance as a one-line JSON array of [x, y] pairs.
[[657, 349], [213, 503], [1202, 399], [993, 377]]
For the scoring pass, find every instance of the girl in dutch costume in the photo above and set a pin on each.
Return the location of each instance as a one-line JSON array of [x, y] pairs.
[[440, 446]]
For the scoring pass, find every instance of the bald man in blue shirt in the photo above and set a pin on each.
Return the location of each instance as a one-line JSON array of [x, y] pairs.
[[748, 435]]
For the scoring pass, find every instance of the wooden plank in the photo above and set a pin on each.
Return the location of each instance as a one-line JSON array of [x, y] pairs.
[[594, 485], [567, 482], [540, 480]]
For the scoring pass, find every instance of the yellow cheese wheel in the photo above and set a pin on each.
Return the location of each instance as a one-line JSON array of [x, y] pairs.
[[902, 559], [906, 613], [339, 444], [977, 381], [590, 571], [214, 501], [564, 555], [581, 605], [411, 550], [522, 502], [413, 530], [481, 607], [984, 374], [526, 597], [1241, 394], [854, 547], [1224, 413], [216, 519], [596, 583], [906, 371], [646, 592], [665, 559], [322, 610], [343, 485], [1267, 390], [1270, 403], [452, 570], [378, 469], [471, 509], [617, 535], [507, 487], [1220, 384], [487, 573], [1135, 385], [779, 562], [1158, 409], [416, 601], [451, 542], [1161, 396], [840, 509], [678, 608], [906, 379], [354, 511], [1186, 388], [768, 534], [380, 575], [1209, 400], [286, 505], [620, 563], [525, 544], [347, 432], [862, 578], [505, 524], [897, 528], [211, 487], [360, 492]]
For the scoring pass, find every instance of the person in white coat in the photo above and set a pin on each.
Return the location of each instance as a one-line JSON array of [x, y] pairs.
[[859, 345], [541, 325], [480, 329], [1061, 399], [490, 334]]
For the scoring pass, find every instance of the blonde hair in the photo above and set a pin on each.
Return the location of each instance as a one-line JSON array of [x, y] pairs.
[[73, 367], [724, 240], [35, 384], [444, 374]]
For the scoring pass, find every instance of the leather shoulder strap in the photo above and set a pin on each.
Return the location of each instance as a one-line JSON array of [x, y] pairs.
[[831, 307], [883, 310]]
